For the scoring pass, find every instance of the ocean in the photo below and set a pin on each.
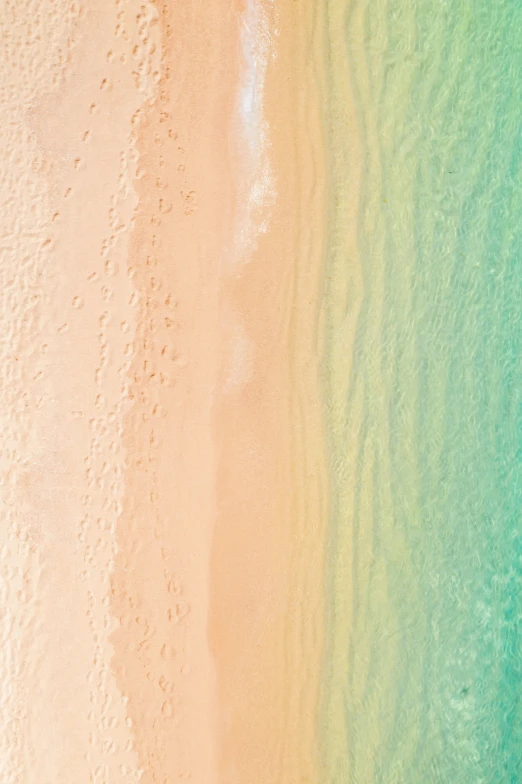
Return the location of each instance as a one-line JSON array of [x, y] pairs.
[[422, 673]]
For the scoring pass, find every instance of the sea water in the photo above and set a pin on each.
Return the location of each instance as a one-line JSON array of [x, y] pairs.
[[423, 390]]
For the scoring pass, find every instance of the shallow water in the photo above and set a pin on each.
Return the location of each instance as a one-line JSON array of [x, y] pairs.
[[423, 667]]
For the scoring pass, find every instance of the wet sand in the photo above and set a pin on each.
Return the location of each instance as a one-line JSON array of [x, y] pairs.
[[163, 474], [267, 556]]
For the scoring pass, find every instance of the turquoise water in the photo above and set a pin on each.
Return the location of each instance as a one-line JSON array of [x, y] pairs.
[[423, 667]]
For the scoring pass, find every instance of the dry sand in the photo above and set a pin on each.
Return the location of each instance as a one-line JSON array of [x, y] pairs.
[[68, 95], [163, 489]]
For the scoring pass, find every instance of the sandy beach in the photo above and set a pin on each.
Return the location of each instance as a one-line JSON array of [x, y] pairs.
[[68, 319], [163, 477]]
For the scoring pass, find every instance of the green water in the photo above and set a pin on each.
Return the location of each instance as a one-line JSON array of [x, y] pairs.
[[423, 663]]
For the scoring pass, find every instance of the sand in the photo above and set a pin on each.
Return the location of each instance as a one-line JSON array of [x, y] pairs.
[[163, 482], [266, 588], [67, 170]]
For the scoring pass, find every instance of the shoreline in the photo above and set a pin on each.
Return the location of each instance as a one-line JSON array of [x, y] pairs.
[[267, 554]]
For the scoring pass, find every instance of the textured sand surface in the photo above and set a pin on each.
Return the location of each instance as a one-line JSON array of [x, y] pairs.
[[162, 468], [68, 96], [161, 579]]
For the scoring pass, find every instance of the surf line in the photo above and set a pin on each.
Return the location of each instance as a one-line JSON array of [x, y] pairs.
[[256, 181]]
